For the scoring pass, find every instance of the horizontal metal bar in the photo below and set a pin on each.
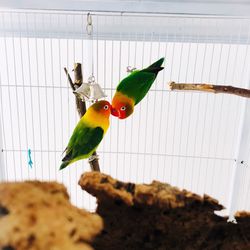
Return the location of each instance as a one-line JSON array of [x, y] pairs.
[[49, 86], [219, 7], [129, 153], [121, 13], [105, 88], [179, 28]]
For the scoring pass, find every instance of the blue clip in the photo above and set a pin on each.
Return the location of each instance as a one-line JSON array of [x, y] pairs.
[[30, 162]]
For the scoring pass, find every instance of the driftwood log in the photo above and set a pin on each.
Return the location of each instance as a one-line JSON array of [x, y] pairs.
[[80, 105], [158, 216], [207, 87]]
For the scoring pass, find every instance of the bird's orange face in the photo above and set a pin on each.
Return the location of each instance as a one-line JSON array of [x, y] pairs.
[[103, 107], [122, 106]]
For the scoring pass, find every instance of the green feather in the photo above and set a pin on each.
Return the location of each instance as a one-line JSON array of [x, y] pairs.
[[64, 165], [82, 143], [138, 83]]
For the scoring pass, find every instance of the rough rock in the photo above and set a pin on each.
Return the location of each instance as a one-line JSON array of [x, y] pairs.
[[159, 216], [38, 216]]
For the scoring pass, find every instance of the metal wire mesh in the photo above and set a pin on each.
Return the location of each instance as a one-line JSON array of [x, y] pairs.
[[187, 139]]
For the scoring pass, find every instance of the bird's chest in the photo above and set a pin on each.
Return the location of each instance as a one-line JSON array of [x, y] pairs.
[[99, 122]]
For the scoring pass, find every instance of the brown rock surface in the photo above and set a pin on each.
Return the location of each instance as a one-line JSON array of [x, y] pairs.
[[39, 216], [159, 217]]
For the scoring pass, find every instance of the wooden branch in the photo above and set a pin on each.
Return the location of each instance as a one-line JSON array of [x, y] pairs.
[[210, 88], [81, 106], [69, 79]]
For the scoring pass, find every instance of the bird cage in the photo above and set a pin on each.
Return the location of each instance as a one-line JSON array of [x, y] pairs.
[[193, 140]]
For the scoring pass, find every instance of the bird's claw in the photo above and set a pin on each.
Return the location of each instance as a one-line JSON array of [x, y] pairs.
[[93, 157]]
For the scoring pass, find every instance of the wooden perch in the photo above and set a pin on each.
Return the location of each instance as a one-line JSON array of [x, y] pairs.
[[210, 88], [80, 105]]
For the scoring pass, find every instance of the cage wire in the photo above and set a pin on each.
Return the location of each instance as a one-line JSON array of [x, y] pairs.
[[187, 139]]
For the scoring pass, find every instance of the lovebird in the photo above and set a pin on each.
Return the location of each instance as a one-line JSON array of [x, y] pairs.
[[131, 90], [88, 133]]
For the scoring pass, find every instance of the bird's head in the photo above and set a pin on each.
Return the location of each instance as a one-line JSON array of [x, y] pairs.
[[122, 107], [102, 107]]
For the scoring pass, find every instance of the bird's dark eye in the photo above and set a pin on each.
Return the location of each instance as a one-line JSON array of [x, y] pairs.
[[106, 107], [123, 108]]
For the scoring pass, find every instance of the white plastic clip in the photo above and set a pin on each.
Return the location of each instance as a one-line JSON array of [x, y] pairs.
[[130, 69]]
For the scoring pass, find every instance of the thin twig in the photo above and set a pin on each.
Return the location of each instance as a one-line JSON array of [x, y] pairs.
[[69, 79], [81, 106], [207, 87]]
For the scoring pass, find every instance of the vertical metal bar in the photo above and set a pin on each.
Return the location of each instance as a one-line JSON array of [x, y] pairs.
[[198, 110], [132, 120], [182, 113], [112, 82], [104, 86], [119, 75], [76, 116], [2, 167], [9, 98], [189, 111], [221, 113], [213, 112], [39, 97], [174, 119], [154, 111], [244, 67], [53, 94], [31, 91], [61, 95], [238, 100], [167, 123], [46, 98], [125, 130], [176, 98], [97, 48], [227, 178], [74, 55], [204, 122], [241, 156], [212, 122], [17, 99], [209, 77], [138, 145], [147, 98], [161, 109], [23, 90], [3, 171], [68, 109]]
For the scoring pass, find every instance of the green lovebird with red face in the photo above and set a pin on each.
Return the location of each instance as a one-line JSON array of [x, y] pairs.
[[88, 133], [133, 88]]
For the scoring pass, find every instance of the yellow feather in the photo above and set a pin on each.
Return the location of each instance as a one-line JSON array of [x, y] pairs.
[[96, 119]]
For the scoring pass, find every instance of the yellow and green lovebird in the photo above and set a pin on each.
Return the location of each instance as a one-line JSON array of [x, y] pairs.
[[133, 88], [88, 133]]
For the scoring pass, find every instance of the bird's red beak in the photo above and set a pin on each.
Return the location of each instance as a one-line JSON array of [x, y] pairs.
[[114, 112]]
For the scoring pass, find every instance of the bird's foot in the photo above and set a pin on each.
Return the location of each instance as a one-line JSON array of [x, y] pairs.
[[93, 157]]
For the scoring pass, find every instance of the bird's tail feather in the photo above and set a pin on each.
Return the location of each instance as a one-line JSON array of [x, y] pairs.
[[157, 64], [155, 67], [64, 164]]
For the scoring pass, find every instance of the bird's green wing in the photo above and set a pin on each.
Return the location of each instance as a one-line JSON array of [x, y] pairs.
[[136, 85], [83, 141]]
